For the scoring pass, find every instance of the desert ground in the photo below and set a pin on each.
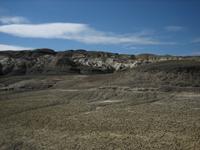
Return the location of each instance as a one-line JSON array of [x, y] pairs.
[[140, 109]]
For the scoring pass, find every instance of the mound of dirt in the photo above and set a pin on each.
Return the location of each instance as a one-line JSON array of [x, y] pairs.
[[31, 84]]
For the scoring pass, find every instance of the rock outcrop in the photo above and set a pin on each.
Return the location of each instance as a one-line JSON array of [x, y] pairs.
[[47, 61]]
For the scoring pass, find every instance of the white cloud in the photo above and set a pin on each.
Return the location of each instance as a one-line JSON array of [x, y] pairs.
[[4, 47], [13, 20], [174, 28], [74, 31]]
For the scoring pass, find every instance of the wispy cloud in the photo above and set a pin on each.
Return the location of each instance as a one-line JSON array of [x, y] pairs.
[[4, 47], [77, 32], [196, 53], [174, 28], [196, 40], [13, 20]]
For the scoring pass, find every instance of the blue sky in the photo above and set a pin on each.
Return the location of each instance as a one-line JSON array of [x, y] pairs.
[[123, 26]]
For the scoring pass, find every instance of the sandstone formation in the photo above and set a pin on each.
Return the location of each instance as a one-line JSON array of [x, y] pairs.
[[47, 61]]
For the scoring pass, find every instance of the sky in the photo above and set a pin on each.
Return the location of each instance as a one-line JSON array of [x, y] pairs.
[[120, 26]]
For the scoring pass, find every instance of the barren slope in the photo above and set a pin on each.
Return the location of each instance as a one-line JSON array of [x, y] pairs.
[[150, 107]]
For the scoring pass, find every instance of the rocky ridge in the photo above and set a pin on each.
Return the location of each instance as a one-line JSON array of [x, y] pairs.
[[47, 61]]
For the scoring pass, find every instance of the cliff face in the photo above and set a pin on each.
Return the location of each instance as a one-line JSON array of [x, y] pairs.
[[47, 61]]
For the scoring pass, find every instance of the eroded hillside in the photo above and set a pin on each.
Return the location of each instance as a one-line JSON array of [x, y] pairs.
[[47, 61]]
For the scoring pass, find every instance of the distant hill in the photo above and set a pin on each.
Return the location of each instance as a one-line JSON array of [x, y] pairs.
[[48, 61]]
